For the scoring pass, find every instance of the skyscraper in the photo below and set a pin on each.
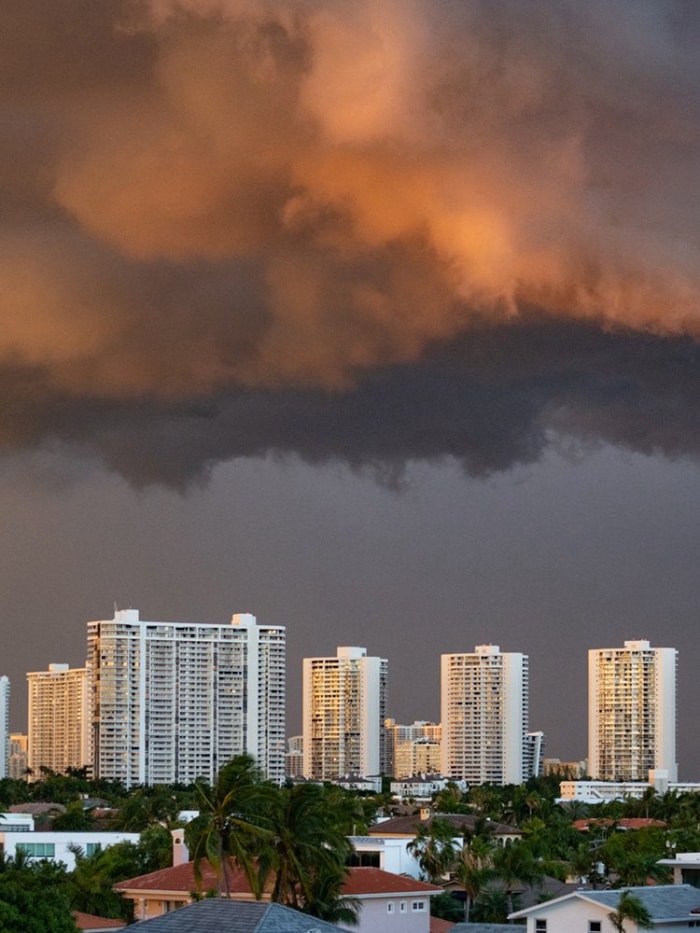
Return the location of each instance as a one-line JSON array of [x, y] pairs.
[[58, 734], [4, 725], [484, 702], [173, 701], [631, 712], [344, 708]]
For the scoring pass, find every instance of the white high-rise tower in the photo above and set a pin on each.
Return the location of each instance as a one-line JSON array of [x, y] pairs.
[[173, 701], [344, 708], [4, 725], [484, 703], [632, 712]]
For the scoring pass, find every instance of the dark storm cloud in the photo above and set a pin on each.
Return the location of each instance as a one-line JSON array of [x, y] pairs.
[[372, 231]]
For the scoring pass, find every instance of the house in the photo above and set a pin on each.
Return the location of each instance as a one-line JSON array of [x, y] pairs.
[[671, 907], [387, 901], [58, 847], [387, 843], [89, 923], [686, 868], [214, 914]]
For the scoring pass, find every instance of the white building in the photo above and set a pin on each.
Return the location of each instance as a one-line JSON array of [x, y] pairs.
[[631, 712], [173, 701], [58, 735], [58, 847], [344, 708], [4, 726], [412, 749], [484, 702]]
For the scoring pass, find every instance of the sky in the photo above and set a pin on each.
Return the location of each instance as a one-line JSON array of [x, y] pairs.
[[378, 319]]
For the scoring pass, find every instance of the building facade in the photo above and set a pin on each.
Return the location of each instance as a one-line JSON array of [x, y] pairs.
[[19, 761], [344, 709], [4, 726], [631, 712], [58, 729], [412, 749], [484, 703], [173, 701]]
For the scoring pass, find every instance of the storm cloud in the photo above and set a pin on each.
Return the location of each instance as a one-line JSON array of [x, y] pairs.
[[371, 231]]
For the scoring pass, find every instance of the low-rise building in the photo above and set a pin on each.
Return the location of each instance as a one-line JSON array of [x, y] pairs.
[[57, 846]]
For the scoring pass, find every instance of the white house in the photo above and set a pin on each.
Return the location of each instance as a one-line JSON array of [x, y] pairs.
[[56, 846], [389, 902], [671, 907]]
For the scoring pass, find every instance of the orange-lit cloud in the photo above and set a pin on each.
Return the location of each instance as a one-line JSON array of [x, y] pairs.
[[208, 195]]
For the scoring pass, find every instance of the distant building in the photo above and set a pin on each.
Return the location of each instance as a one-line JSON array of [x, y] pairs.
[[569, 770], [58, 734], [344, 709], [413, 749], [173, 701], [4, 726], [484, 702], [294, 757], [18, 757], [534, 754], [631, 712]]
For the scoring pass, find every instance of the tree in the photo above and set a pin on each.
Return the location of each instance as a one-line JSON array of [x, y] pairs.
[[228, 826], [516, 863], [33, 897], [474, 869], [433, 846], [631, 908]]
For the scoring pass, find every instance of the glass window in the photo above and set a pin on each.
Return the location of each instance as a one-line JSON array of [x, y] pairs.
[[390, 908], [594, 926], [418, 905], [540, 926], [38, 849]]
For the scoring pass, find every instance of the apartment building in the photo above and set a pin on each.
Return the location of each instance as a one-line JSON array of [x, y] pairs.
[[413, 749], [173, 701], [484, 703], [4, 725], [344, 709], [58, 728], [632, 712]]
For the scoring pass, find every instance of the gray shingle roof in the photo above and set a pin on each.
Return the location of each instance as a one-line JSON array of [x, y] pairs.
[[219, 915], [483, 928], [663, 901]]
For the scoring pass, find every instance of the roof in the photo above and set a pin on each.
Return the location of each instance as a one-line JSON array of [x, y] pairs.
[[180, 879], [663, 901], [482, 928], [409, 825], [625, 822], [373, 881], [93, 924], [438, 925], [212, 915]]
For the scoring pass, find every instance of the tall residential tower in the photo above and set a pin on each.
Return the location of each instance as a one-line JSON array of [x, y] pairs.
[[484, 702], [344, 708], [173, 701], [58, 735], [631, 712]]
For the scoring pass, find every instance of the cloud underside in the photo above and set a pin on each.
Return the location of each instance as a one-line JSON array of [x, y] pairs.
[[372, 231]]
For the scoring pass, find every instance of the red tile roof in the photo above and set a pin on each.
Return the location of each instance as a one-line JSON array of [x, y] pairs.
[[180, 879], [91, 922], [437, 925], [625, 822]]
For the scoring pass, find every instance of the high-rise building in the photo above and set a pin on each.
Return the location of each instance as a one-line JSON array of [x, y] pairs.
[[484, 702], [344, 708], [19, 762], [4, 725], [632, 712], [413, 749], [173, 701], [58, 734]]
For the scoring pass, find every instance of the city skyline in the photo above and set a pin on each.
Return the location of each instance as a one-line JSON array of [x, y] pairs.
[[378, 319]]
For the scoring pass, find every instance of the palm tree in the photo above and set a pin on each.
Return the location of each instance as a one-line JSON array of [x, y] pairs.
[[631, 908], [516, 863], [433, 846], [474, 869], [229, 826]]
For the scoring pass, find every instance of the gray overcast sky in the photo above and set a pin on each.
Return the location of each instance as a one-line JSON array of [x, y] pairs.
[[549, 560], [376, 318]]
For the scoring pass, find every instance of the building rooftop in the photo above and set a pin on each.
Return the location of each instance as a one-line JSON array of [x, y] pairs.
[[213, 915]]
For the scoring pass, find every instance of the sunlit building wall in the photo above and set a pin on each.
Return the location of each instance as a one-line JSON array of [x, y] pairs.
[[19, 762], [58, 724], [484, 703], [4, 725], [632, 712], [413, 749], [344, 709], [173, 701]]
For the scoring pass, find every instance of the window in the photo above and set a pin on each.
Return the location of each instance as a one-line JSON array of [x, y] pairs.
[[402, 907], [418, 905], [540, 926], [92, 847], [594, 926], [38, 849], [390, 908]]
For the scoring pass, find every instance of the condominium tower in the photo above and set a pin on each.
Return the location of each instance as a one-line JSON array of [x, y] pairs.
[[632, 712], [344, 708], [173, 701], [484, 703], [4, 725], [58, 734]]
